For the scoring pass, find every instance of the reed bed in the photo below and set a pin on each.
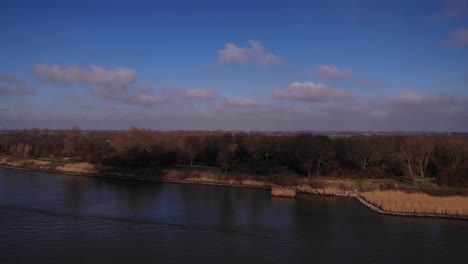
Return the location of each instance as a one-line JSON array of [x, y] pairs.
[[418, 203], [82, 167], [318, 190], [283, 192], [215, 178]]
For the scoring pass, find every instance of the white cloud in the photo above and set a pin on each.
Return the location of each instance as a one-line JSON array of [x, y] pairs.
[[332, 72], [92, 75], [11, 79], [142, 96], [198, 94], [426, 102], [15, 90], [404, 112], [246, 102], [460, 36], [256, 53], [312, 92], [14, 86], [414, 99], [112, 84]]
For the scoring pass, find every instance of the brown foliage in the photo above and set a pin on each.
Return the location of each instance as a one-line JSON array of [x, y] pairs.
[[269, 154]]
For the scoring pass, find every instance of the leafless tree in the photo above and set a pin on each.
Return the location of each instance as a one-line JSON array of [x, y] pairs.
[[227, 149], [416, 153], [73, 142], [192, 146]]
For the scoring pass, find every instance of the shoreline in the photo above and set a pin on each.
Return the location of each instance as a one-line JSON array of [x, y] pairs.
[[133, 177], [270, 186], [379, 210]]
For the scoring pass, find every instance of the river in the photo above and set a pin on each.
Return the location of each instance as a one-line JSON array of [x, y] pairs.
[[54, 218]]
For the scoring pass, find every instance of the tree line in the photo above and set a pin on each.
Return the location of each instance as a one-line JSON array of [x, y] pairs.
[[409, 157]]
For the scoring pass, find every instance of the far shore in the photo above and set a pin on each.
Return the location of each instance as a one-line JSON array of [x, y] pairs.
[[376, 197]]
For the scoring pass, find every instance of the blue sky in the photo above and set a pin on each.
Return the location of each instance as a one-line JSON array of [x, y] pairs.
[[288, 65]]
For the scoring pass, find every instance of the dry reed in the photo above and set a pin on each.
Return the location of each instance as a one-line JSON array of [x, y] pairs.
[[283, 192], [418, 203], [82, 167], [318, 190]]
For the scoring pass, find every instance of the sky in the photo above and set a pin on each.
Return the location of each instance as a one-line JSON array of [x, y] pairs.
[[368, 65]]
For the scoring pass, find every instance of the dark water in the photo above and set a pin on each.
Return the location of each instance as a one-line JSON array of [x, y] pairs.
[[51, 218]]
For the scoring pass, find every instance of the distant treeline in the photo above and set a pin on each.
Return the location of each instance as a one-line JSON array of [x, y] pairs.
[[411, 157]]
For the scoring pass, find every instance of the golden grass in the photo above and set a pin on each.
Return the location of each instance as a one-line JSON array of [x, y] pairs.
[[283, 192], [199, 176], [8, 162], [82, 167], [320, 190], [256, 183], [40, 162], [417, 203], [213, 178]]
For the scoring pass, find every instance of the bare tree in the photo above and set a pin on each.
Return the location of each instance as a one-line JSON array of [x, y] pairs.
[[260, 147], [416, 153], [192, 146], [363, 152], [135, 138], [450, 156], [313, 152], [454, 151], [323, 149], [227, 150], [423, 152], [73, 142]]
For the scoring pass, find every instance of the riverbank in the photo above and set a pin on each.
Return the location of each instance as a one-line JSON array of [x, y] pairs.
[[370, 195], [186, 175]]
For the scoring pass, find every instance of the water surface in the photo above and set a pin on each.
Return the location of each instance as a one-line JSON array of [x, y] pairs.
[[54, 218]]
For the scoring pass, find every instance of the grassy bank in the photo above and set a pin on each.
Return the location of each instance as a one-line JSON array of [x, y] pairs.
[[47, 164], [387, 196], [417, 203], [320, 186]]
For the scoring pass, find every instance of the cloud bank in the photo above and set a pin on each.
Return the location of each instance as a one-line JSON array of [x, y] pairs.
[[110, 84], [402, 112], [256, 53], [298, 106], [441, 103], [11, 79], [311, 92], [93, 75], [13, 85], [15, 90], [332, 72], [197, 94], [246, 102]]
